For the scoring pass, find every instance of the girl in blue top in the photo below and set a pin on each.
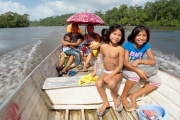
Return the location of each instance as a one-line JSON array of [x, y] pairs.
[[135, 47]]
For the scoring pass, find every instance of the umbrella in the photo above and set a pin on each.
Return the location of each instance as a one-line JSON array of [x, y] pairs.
[[85, 18]]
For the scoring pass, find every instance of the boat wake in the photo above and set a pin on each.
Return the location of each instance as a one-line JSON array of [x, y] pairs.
[[168, 62], [16, 65]]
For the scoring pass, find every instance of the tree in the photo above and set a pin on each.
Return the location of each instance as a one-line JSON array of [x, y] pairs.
[[11, 19]]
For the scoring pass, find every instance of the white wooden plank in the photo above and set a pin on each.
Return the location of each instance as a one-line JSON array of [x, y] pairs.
[[80, 95], [170, 80], [165, 103], [67, 114], [82, 114], [170, 93]]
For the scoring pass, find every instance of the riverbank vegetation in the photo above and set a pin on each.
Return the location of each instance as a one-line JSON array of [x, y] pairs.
[[52, 21], [10, 20], [157, 13]]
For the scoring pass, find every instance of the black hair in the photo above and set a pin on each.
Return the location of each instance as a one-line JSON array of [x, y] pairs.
[[93, 35], [75, 24], [67, 35], [90, 25], [136, 31], [104, 31], [112, 28]]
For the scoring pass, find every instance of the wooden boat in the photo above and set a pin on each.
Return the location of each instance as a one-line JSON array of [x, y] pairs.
[[44, 96]]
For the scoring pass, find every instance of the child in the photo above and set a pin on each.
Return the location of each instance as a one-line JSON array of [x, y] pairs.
[[104, 32], [112, 56], [135, 47], [67, 37], [90, 51]]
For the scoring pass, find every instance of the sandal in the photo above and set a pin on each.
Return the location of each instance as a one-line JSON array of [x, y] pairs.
[[102, 112], [80, 67], [120, 104], [85, 70], [129, 108], [64, 72], [72, 73]]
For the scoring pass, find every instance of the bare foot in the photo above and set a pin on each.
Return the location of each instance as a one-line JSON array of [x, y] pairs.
[[88, 65], [103, 107], [64, 71], [85, 69], [125, 101], [132, 97]]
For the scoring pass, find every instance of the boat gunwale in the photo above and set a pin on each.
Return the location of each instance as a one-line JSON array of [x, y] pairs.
[[15, 92]]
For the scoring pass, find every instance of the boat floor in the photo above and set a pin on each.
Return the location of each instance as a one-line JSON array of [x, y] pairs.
[[90, 114], [81, 72]]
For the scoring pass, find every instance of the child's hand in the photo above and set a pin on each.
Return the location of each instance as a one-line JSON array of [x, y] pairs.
[[107, 78], [93, 75], [65, 43], [142, 74], [135, 63]]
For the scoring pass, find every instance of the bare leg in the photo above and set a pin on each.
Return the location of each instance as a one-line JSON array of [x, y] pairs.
[[145, 89], [128, 85], [99, 84], [61, 62], [70, 61], [87, 61], [112, 84]]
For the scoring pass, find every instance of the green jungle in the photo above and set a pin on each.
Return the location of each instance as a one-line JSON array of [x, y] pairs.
[[157, 13]]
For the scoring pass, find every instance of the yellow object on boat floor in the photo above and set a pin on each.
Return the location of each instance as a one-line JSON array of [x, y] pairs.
[[87, 79]]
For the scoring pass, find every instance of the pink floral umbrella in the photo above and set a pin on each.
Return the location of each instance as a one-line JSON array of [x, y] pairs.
[[85, 18]]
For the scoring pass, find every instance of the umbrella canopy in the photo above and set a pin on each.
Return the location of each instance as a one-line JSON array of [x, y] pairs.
[[85, 18]]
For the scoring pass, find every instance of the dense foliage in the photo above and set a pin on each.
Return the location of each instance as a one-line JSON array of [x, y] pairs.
[[10, 19], [52, 21], [158, 13]]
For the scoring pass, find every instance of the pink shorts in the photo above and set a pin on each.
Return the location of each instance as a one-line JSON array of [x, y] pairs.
[[133, 76]]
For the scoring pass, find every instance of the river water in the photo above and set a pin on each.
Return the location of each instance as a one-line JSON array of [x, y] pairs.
[[22, 49]]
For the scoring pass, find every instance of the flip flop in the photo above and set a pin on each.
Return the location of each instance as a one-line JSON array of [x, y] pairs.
[[120, 104], [72, 73], [85, 70], [102, 112], [80, 67], [129, 108]]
